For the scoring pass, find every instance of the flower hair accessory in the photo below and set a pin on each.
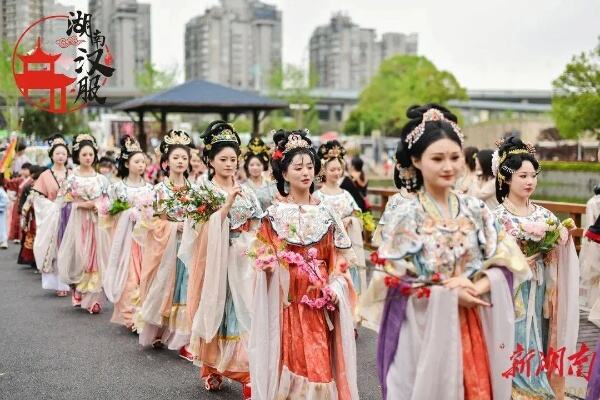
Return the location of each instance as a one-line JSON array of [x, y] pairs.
[[333, 152], [84, 138], [56, 141], [430, 115], [296, 141], [177, 137], [256, 147], [131, 146], [498, 159], [226, 135]]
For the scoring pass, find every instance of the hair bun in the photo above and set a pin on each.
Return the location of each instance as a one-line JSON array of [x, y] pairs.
[[331, 149], [215, 128], [416, 112]]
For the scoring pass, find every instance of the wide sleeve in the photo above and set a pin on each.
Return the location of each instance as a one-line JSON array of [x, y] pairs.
[[351, 201], [40, 183], [399, 237], [257, 212], [498, 248], [340, 236]]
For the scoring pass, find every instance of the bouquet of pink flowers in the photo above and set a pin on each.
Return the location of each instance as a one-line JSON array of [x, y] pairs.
[[265, 258], [541, 237]]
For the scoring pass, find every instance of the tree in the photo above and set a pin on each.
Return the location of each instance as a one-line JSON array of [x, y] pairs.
[[43, 124], [293, 85], [151, 79], [576, 98], [8, 88], [401, 81]]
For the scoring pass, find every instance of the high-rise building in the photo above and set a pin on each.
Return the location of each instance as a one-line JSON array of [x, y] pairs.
[[237, 43], [18, 15], [126, 25], [345, 56]]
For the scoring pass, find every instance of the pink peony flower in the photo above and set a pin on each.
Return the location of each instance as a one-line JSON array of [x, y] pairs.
[[535, 230]]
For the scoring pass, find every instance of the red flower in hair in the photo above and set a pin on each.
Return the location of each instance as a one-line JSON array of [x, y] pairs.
[[277, 154]]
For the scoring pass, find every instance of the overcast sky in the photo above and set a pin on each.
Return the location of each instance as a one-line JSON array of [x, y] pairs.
[[488, 44]]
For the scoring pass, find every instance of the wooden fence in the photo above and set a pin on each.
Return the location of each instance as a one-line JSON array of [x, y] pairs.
[[380, 196]]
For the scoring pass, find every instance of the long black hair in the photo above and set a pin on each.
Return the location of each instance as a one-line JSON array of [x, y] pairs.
[[485, 162], [511, 155], [470, 154], [433, 130], [281, 159], [213, 144]]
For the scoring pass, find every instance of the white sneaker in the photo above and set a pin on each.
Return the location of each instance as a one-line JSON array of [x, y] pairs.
[[4, 245], [16, 241]]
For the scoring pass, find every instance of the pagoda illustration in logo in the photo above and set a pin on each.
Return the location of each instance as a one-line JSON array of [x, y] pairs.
[[43, 79]]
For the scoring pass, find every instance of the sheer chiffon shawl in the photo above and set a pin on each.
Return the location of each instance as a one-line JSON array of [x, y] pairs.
[[117, 265], [47, 215]]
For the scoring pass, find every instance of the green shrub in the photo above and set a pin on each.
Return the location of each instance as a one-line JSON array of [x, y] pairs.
[[570, 166]]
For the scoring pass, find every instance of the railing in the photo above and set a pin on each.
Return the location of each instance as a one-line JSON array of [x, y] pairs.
[[575, 211]]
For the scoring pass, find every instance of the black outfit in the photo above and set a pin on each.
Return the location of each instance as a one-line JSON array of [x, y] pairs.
[[348, 184]]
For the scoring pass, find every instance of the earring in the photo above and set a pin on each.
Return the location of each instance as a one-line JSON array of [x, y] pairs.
[[286, 187], [408, 176]]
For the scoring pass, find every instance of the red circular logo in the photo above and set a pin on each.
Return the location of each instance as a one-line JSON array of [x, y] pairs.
[[59, 68]]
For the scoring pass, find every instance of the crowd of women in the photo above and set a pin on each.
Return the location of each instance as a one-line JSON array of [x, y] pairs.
[[264, 282]]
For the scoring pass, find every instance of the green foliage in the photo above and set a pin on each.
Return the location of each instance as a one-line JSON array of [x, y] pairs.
[[401, 81], [151, 79], [570, 166], [8, 88], [43, 124], [576, 101], [292, 85]]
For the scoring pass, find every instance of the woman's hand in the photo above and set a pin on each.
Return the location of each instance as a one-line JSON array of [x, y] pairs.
[[236, 191], [468, 298], [180, 227]]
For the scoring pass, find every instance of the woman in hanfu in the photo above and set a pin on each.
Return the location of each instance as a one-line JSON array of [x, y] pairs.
[[341, 201], [127, 198], [221, 272], [28, 222], [16, 185], [589, 257], [547, 305], [47, 214], [256, 164], [82, 246], [162, 317], [446, 262], [405, 193], [302, 339]]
